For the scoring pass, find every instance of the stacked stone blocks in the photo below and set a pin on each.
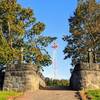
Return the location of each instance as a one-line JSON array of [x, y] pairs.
[[22, 77]]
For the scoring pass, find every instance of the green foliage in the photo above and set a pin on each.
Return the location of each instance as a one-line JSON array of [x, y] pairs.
[[95, 94], [4, 94], [38, 28], [85, 29], [23, 35], [6, 53], [56, 82]]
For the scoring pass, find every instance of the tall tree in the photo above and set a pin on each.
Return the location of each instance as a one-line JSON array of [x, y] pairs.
[[23, 34], [85, 29]]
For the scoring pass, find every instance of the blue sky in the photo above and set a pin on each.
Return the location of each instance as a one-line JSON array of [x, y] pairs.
[[55, 15]]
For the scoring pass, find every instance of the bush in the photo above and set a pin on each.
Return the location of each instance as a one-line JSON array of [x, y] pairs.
[[56, 82]]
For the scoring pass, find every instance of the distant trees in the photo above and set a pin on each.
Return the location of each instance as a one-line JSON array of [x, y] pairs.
[[85, 29], [56, 82], [21, 36]]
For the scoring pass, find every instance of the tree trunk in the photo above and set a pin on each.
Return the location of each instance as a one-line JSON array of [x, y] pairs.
[[21, 56], [9, 35]]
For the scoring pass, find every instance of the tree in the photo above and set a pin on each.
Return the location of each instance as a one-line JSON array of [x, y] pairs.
[[85, 29], [23, 35]]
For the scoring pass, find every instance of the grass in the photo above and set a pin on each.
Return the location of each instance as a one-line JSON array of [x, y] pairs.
[[95, 94], [5, 94]]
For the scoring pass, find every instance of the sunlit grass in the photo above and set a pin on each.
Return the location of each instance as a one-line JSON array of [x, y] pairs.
[[95, 94], [5, 94]]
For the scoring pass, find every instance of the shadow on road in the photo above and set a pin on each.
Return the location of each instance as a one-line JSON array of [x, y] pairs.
[[78, 95]]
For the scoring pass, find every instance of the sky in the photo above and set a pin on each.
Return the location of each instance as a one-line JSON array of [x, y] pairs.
[[54, 14]]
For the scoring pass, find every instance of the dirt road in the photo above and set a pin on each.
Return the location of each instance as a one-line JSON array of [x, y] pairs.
[[50, 95]]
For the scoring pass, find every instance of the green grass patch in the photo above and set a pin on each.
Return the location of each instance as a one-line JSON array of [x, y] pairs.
[[5, 94], [95, 94]]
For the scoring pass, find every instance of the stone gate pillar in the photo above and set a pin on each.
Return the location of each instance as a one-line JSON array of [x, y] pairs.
[[85, 76], [22, 77]]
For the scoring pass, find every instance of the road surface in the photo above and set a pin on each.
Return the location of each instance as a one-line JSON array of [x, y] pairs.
[[50, 95]]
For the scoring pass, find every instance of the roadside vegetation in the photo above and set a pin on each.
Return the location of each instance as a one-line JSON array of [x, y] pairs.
[[94, 94], [4, 95]]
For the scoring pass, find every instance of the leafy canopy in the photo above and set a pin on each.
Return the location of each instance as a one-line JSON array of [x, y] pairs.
[[85, 33], [21, 36]]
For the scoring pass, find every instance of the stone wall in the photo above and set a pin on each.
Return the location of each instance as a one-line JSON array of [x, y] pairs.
[[85, 76], [22, 77]]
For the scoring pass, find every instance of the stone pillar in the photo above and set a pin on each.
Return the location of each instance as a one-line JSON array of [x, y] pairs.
[[21, 77], [85, 76]]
